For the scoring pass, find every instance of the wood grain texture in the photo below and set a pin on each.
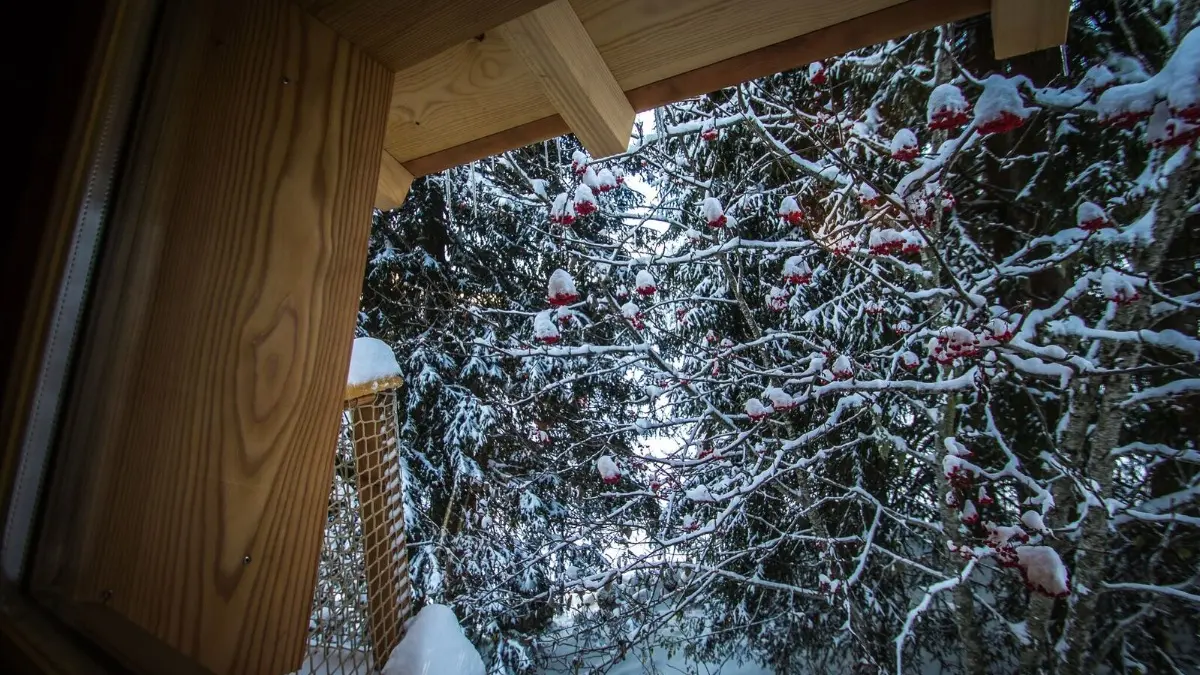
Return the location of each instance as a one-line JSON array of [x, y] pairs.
[[645, 41], [556, 48], [394, 181], [402, 33], [864, 31], [893, 22], [483, 88], [354, 392], [206, 509], [477, 88], [1023, 26]]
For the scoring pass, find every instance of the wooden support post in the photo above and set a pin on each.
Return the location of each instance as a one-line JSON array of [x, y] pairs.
[[192, 489], [380, 495], [1023, 26], [394, 181], [556, 47]]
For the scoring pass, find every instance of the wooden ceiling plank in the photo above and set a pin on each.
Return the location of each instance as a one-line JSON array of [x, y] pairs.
[[893, 22], [557, 49], [470, 91], [645, 41], [482, 88], [1023, 26], [394, 181], [874, 28], [402, 33]]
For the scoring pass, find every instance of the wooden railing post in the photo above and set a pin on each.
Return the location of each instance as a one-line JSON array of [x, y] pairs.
[[381, 504]]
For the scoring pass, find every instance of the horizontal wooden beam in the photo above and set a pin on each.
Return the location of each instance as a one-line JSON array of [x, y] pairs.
[[394, 181], [482, 87], [402, 33], [873, 28], [494, 144], [365, 389], [1023, 26], [553, 43]]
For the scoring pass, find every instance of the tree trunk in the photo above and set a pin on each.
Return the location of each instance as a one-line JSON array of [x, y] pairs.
[[1091, 557], [1090, 571], [1082, 408], [973, 654]]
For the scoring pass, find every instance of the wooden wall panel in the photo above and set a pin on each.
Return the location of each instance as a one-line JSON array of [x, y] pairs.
[[206, 509]]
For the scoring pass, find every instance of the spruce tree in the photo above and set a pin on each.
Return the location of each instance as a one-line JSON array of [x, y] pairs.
[[886, 361]]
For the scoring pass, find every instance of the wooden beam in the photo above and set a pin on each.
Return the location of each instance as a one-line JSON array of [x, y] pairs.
[[483, 87], [354, 392], [217, 375], [481, 91], [524, 134], [402, 33], [873, 28], [472, 90], [558, 50], [1023, 26], [394, 181]]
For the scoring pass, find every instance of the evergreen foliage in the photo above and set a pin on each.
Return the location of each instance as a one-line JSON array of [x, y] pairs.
[[970, 351]]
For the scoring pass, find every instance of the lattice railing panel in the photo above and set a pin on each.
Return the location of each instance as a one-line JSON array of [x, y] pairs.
[[363, 596]]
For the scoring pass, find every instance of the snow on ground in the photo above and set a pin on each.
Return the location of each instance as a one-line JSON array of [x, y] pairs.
[[679, 664], [434, 645], [661, 662], [336, 662]]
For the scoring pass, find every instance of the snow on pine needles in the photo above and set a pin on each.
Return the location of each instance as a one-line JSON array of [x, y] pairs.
[[923, 398]]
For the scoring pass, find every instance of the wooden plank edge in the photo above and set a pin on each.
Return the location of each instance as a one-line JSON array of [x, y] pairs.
[[886, 24], [530, 132], [368, 389], [394, 181], [111, 63]]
